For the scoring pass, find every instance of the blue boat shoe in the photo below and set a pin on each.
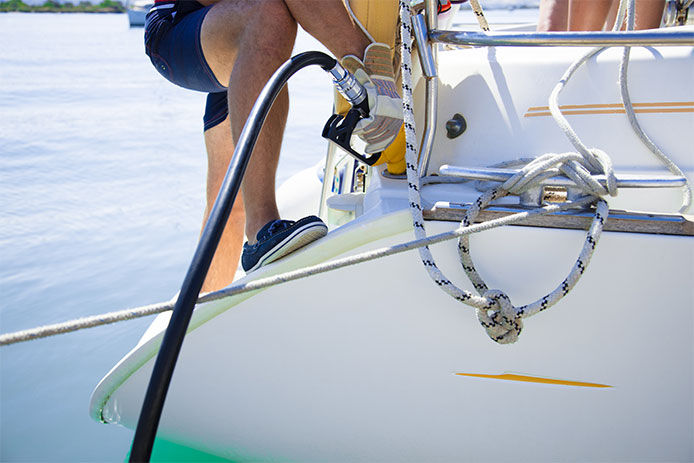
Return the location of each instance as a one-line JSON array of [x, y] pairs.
[[280, 237]]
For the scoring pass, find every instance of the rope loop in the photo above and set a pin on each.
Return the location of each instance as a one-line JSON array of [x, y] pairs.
[[501, 320]]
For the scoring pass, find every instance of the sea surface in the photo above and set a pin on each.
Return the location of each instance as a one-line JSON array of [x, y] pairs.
[[102, 172]]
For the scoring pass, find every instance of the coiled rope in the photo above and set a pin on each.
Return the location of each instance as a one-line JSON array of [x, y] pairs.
[[597, 158], [631, 114], [501, 319]]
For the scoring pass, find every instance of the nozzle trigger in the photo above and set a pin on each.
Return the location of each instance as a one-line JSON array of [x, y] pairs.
[[338, 129]]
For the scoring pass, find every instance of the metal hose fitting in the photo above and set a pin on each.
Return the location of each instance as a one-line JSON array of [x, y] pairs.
[[349, 87]]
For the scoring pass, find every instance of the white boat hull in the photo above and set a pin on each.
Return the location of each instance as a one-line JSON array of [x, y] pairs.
[[370, 373], [376, 363]]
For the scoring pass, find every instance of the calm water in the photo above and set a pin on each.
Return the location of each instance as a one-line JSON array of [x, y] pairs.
[[102, 171]]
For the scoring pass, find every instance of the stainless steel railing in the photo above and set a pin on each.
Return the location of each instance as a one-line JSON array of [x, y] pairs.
[[564, 39], [622, 180], [425, 29]]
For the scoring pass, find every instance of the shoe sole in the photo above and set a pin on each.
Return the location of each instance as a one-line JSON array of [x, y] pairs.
[[300, 238]]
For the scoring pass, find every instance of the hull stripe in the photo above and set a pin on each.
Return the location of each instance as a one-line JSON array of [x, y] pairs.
[[533, 379]]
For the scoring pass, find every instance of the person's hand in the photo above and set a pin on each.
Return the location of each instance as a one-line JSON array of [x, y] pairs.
[[375, 73]]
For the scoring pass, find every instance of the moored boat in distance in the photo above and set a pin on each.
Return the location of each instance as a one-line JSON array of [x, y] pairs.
[[375, 363], [137, 10]]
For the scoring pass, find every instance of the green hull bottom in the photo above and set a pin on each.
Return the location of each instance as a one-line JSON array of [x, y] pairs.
[[165, 451]]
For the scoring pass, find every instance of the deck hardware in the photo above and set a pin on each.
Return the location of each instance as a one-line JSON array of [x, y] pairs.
[[623, 180], [574, 219], [386, 174], [347, 202], [426, 57], [554, 194], [676, 13], [359, 181], [455, 126], [534, 196]]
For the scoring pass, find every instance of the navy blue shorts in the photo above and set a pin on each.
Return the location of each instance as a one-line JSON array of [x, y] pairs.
[[176, 52]]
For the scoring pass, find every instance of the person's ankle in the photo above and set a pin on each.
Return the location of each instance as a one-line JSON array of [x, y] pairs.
[[253, 227]]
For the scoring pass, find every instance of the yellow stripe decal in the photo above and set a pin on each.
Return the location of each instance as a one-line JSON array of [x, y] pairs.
[[615, 111], [615, 108], [533, 379]]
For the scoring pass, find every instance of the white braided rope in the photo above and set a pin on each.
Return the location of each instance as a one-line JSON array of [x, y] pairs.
[[597, 159], [83, 323], [479, 14], [631, 115], [594, 160], [495, 312], [261, 283]]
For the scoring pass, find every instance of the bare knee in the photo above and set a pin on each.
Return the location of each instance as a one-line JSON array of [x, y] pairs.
[[262, 27], [271, 29]]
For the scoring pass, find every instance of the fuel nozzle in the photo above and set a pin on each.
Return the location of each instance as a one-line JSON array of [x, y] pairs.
[[350, 88], [339, 128]]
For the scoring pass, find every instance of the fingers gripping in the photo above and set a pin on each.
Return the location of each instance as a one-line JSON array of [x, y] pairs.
[[376, 74]]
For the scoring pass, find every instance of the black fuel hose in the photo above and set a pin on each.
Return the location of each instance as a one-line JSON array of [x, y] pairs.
[[197, 271]]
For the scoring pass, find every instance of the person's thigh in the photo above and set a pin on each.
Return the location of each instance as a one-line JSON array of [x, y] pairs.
[[220, 35], [230, 24]]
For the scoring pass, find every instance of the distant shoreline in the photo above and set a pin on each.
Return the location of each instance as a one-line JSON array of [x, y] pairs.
[[106, 6]]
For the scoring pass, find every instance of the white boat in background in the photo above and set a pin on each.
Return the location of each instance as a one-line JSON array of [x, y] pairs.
[[137, 11], [375, 363]]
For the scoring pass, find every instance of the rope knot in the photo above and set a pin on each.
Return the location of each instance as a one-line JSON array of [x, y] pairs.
[[605, 163], [500, 318]]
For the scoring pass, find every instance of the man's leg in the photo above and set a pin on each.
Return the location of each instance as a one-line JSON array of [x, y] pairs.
[[244, 43], [219, 149], [329, 22], [554, 15], [649, 14], [588, 15]]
